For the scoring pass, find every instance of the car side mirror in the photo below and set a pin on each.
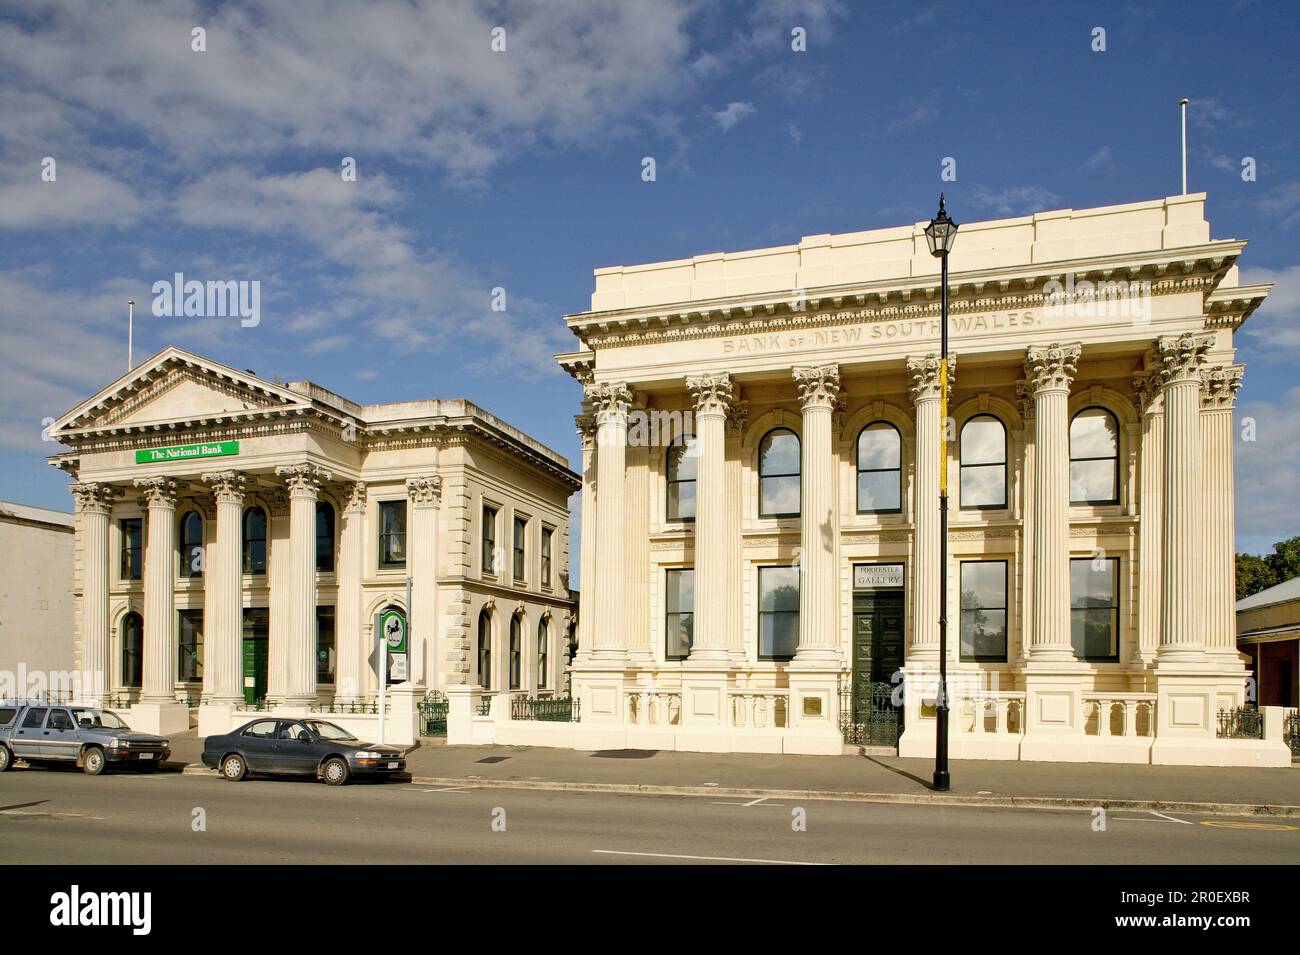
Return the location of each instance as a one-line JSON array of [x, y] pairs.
[[306, 738]]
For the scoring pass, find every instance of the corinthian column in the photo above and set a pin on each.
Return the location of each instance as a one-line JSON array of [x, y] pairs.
[[925, 388], [1218, 394], [94, 505], [304, 481], [1182, 632], [1049, 371], [586, 427], [223, 607], [610, 402], [819, 386], [425, 494], [1146, 388], [713, 395], [159, 605], [351, 654]]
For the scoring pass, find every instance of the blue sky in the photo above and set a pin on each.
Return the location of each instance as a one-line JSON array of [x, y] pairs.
[[521, 169]]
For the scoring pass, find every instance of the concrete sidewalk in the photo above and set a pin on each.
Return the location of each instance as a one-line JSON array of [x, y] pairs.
[[867, 778]]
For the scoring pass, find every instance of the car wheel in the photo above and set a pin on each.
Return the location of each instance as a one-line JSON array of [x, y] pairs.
[[234, 768], [335, 771], [6, 759], [94, 761]]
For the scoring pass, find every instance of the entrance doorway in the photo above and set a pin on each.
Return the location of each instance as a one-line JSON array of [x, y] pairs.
[[878, 641], [257, 629]]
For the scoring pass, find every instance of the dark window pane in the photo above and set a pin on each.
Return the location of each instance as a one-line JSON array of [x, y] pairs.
[[189, 635], [1094, 602], [325, 645], [392, 533], [1094, 634], [683, 460], [543, 655], [324, 537], [680, 587], [681, 501], [680, 629], [254, 541], [132, 549], [778, 617], [983, 610], [191, 548], [485, 651], [778, 635], [516, 652], [778, 588]]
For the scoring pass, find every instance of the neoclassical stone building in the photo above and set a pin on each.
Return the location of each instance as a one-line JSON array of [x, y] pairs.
[[761, 476], [238, 539]]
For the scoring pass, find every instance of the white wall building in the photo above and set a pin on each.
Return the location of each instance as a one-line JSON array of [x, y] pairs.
[[37, 623]]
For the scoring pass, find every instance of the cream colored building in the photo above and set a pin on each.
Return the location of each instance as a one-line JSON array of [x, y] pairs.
[[238, 539], [36, 605], [794, 537]]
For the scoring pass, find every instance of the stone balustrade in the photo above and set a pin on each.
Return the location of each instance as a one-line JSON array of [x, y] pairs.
[[759, 709], [1133, 714]]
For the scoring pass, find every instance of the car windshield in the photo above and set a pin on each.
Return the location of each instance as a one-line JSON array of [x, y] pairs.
[[105, 718], [328, 730]]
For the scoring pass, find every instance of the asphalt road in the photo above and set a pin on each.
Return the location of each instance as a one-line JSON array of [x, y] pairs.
[[63, 816]]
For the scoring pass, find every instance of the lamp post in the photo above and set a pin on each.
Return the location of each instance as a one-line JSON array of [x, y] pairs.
[[940, 234]]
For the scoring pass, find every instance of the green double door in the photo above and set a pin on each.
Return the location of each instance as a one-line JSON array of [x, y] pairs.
[[256, 633], [877, 657]]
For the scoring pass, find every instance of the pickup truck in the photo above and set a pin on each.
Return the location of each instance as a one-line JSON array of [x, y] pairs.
[[90, 737]]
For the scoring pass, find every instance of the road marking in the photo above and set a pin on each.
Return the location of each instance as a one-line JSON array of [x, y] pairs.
[[755, 802], [449, 790], [670, 855], [776, 805], [53, 815], [1170, 818], [1264, 826]]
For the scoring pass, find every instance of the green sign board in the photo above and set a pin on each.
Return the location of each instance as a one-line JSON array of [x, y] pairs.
[[393, 627], [186, 452]]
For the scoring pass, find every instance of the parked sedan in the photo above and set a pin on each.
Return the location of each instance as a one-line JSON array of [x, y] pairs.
[[306, 747]]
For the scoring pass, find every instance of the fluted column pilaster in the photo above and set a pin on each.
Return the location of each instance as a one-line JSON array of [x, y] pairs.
[[713, 395], [352, 653], [425, 496], [1218, 395], [94, 506], [1151, 479], [223, 607], [610, 402], [304, 481], [924, 373], [586, 427], [819, 388], [159, 591], [1049, 371]]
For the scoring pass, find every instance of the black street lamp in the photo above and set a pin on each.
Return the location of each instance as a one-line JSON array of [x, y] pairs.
[[941, 233]]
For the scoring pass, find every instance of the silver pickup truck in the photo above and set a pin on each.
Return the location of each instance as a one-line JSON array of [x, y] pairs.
[[90, 737]]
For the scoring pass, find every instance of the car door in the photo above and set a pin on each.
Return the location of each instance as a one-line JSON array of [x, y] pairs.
[[296, 752], [61, 738], [27, 735], [258, 743]]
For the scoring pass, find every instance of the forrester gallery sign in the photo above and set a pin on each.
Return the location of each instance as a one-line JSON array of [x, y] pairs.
[[186, 452]]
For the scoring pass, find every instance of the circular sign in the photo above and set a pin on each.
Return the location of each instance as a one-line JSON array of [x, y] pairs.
[[394, 630]]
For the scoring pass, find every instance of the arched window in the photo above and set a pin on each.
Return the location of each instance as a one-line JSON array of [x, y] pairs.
[[254, 540], [543, 655], [516, 651], [983, 463], [682, 461], [324, 537], [1094, 457], [191, 546], [880, 469], [778, 474], [132, 650], [485, 650]]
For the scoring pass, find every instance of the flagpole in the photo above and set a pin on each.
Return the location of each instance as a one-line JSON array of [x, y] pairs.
[[130, 334]]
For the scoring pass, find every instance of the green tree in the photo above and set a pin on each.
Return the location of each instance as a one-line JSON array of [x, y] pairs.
[[1285, 560], [1253, 575]]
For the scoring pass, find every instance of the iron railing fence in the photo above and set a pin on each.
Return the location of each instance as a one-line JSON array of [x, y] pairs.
[[433, 714], [558, 709], [1240, 722], [870, 719], [347, 707], [1291, 732]]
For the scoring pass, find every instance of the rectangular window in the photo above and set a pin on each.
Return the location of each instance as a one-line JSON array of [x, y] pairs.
[[489, 532], [132, 548], [1094, 608], [679, 612], [778, 612], [518, 545], [189, 637], [324, 644], [984, 610], [392, 533], [547, 534]]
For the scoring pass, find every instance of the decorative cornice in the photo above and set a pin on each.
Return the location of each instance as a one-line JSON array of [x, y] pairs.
[[1051, 368], [93, 497], [303, 480], [713, 392], [158, 491], [424, 491], [227, 486], [1180, 357], [1219, 386], [924, 375], [819, 385]]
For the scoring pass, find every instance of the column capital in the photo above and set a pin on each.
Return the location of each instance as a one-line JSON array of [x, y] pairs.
[[585, 424], [609, 399], [303, 480], [737, 418], [1219, 386], [1179, 357], [228, 487], [713, 392], [1051, 368], [1025, 394], [424, 491], [924, 374], [819, 385], [354, 496], [93, 497], [1146, 391], [158, 491]]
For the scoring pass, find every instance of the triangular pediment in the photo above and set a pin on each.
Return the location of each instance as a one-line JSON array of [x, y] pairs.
[[174, 387]]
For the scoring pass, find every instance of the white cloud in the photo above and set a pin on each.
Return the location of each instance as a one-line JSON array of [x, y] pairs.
[[77, 196], [1015, 200], [796, 134], [1275, 325], [731, 114], [1101, 159]]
